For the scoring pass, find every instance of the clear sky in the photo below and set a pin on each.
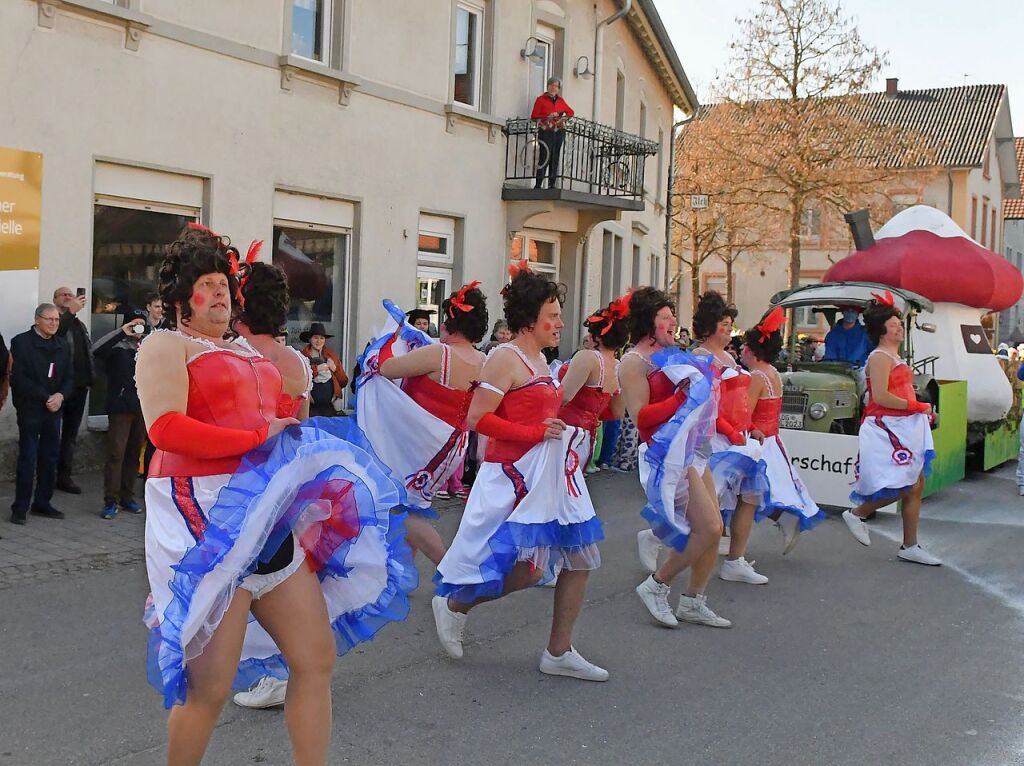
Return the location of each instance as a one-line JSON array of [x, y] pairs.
[[930, 43]]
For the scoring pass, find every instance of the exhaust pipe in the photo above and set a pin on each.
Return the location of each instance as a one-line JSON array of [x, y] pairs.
[[860, 227]]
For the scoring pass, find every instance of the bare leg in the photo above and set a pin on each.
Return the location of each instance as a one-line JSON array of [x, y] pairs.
[[866, 509], [706, 513], [705, 529], [911, 510], [741, 525], [523, 575], [422, 536], [295, 616], [189, 726], [569, 594]]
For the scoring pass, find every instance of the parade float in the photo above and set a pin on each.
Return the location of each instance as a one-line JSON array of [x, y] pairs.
[[923, 250], [944, 283]]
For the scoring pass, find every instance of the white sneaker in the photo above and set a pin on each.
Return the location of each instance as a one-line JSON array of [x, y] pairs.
[[918, 555], [723, 545], [655, 598], [697, 611], [571, 664], [741, 570], [450, 626], [789, 525], [267, 692], [648, 546], [443, 494], [1020, 491], [857, 528], [591, 469]]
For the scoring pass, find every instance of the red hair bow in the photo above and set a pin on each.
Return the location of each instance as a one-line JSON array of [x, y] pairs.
[[459, 299], [886, 300], [616, 311], [514, 270], [244, 270], [772, 322]]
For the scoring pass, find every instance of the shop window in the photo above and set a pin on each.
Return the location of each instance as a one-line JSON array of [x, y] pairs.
[[315, 260]]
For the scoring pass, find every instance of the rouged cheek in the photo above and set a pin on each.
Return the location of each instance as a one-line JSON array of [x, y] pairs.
[[198, 299], [547, 326]]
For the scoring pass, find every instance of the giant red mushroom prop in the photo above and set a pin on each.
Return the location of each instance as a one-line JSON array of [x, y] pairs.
[[921, 249]]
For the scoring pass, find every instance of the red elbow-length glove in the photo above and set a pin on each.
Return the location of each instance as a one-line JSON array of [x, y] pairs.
[[651, 416], [918, 407], [727, 430], [183, 435], [505, 430]]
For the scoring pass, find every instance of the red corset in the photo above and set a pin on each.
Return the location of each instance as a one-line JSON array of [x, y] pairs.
[[584, 410], [734, 401], [766, 415], [288, 406], [447, 404], [534, 403], [228, 390], [661, 389], [901, 384]]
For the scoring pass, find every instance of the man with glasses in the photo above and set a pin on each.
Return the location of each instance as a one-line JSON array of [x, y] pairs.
[[41, 380], [77, 336]]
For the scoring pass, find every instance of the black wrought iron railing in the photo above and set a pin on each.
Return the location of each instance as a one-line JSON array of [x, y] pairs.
[[586, 157]]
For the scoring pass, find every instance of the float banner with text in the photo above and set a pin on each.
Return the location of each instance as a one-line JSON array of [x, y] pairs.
[[21, 203]]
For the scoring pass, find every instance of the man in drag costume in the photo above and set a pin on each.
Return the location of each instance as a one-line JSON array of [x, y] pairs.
[[518, 526], [896, 448], [250, 512]]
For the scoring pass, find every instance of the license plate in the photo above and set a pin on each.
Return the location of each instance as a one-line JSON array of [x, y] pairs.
[[791, 420]]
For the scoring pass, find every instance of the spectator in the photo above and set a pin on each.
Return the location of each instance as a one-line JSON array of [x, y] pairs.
[[499, 334], [734, 347], [282, 337], [77, 336], [684, 339], [126, 434], [329, 378], [551, 113], [1020, 455], [420, 319], [154, 311], [42, 379]]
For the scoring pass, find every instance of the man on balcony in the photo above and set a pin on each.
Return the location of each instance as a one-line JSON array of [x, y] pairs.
[[551, 113]]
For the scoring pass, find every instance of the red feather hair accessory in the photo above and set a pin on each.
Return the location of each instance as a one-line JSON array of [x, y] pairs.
[[772, 322], [514, 270], [885, 300]]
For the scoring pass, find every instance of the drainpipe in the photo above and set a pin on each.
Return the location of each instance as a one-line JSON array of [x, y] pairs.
[[599, 54]]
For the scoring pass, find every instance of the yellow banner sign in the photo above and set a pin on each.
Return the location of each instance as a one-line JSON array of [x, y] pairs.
[[21, 204]]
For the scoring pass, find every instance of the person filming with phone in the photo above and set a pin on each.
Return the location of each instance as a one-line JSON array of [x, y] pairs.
[[74, 331], [126, 432]]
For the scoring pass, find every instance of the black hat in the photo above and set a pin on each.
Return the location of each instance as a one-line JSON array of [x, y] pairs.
[[317, 328], [131, 314], [415, 314]]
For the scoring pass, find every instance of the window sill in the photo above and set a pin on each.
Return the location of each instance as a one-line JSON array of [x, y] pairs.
[[291, 66], [135, 23], [493, 123]]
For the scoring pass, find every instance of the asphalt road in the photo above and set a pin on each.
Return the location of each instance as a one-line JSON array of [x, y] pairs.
[[847, 656]]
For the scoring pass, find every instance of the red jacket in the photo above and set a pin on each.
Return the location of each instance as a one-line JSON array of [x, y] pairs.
[[544, 107]]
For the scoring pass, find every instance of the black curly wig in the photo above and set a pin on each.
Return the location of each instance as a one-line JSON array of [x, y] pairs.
[[644, 305], [766, 350], [266, 299], [526, 295], [472, 325], [711, 309], [196, 251], [875, 317], [616, 336]]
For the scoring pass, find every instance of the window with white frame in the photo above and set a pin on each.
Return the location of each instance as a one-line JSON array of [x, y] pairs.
[[467, 71], [810, 223], [541, 253], [312, 24], [541, 66], [611, 265], [436, 240], [435, 264], [804, 317]]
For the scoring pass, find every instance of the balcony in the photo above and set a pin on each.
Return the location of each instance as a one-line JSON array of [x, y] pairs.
[[598, 166]]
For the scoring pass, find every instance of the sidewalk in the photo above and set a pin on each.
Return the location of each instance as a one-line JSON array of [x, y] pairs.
[[46, 548]]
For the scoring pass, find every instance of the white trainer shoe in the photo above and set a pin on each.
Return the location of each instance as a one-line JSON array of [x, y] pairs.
[[857, 527], [655, 597], [723, 545], [267, 692], [648, 546], [450, 626], [571, 664], [918, 555], [741, 570], [697, 611], [789, 525]]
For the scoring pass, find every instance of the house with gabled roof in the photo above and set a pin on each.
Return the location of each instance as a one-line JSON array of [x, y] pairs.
[[1011, 321]]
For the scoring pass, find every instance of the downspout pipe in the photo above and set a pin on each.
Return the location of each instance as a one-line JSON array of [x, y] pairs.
[[599, 54]]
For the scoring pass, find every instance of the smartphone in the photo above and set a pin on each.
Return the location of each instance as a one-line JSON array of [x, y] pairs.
[[80, 292], [317, 360]]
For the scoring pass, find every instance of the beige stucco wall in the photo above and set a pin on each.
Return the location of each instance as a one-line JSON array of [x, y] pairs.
[[77, 95]]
